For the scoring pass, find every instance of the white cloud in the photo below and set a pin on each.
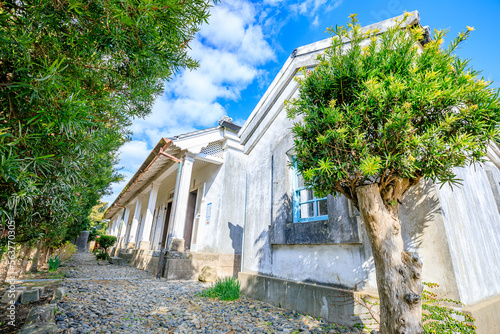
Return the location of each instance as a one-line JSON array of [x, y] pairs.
[[337, 3], [254, 48], [315, 23], [272, 2], [311, 8], [132, 154], [223, 19]]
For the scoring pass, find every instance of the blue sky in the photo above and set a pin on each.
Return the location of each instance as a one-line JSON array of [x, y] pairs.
[[246, 43]]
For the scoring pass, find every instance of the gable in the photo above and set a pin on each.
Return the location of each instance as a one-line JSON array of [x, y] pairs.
[[284, 87]]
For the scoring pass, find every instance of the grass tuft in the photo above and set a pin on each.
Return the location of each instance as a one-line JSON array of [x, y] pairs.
[[227, 288], [54, 263]]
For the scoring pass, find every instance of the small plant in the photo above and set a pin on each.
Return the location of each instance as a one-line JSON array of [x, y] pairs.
[[65, 251], [227, 288], [437, 318], [54, 263], [57, 275], [102, 256], [106, 241]]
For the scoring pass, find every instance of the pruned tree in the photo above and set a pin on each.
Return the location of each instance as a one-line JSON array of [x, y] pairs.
[[379, 112]]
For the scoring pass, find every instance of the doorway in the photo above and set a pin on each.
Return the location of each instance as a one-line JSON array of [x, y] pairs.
[[166, 223], [188, 229]]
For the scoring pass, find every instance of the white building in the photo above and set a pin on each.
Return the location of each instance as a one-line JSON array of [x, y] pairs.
[[231, 191], [174, 202]]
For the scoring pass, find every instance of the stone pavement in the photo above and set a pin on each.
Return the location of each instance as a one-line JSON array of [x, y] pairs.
[[121, 299]]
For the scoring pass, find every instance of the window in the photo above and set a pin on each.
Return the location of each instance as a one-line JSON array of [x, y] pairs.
[[307, 207]]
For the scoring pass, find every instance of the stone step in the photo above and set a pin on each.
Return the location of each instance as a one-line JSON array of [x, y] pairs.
[[126, 256], [118, 261]]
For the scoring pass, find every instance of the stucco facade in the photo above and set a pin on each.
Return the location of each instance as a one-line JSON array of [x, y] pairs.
[[455, 232]]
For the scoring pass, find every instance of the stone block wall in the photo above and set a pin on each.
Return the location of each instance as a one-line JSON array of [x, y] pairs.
[[182, 265]]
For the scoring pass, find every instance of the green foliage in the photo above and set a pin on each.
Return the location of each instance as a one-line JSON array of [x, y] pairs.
[[437, 318], [54, 263], [65, 251], [106, 241], [98, 225], [389, 108], [72, 76], [227, 288], [93, 235], [102, 256]]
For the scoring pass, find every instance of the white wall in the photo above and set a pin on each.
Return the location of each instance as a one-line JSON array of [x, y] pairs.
[[473, 232], [344, 265]]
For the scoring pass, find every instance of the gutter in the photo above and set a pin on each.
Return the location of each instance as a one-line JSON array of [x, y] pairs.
[[229, 125]]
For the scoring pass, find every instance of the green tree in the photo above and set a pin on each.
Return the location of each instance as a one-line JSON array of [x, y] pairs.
[[106, 241], [73, 74], [98, 225], [378, 114]]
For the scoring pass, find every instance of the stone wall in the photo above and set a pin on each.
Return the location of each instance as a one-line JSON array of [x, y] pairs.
[[182, 265]]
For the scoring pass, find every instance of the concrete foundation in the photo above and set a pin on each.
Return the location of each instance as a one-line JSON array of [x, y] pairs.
[[182, 265], [144, 245], [486, 315], [177, 245], [341, 306]]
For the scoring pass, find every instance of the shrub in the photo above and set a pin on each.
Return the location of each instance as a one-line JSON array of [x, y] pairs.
[[227, 288], [102, 256], [93, 235], [437, 318], [65, 251], [54, 262], [106, 241]]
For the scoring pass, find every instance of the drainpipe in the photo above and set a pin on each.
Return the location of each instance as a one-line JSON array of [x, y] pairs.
[[244, 223]]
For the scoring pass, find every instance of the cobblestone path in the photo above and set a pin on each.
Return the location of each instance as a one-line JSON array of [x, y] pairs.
[[116, 299]]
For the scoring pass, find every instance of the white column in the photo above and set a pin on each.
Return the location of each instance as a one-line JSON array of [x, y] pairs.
[[115, 226], [110, 226], [177, 243], [118, 224], [144, 243], [127, 233], [123, 228], [134, 229], [159, 228]]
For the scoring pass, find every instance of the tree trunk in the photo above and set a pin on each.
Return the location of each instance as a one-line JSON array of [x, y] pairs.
[[34, 262], [4, 267], [25, 261], [398, 272], [42, 260], [20, 258]]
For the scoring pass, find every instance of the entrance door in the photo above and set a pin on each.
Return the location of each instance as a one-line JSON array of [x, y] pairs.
[[188, 229], [165, 226]]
